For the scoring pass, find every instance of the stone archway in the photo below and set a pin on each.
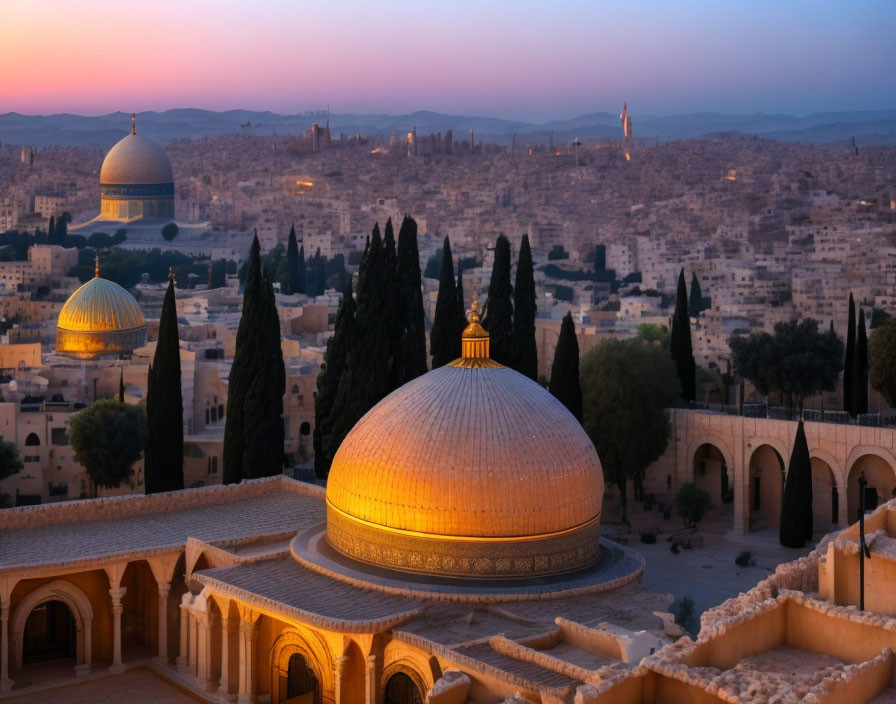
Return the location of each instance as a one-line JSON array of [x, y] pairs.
[[880, 473], [712, 474], [826, 496], [402, 689], [766, 487], [403, 684], [284, 666], [81, 612]]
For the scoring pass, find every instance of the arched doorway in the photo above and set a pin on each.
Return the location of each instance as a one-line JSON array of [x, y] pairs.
[[711, 473], [301, 684], [881, 485], [766, 487], [401, 689], [50, 633], [825, 498]]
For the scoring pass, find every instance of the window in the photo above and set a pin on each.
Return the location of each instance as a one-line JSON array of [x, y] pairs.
[[58, 436]]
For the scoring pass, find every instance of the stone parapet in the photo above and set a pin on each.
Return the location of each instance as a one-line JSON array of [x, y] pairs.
[[114, 507]]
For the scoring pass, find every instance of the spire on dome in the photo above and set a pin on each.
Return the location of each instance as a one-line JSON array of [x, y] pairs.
[[133, 123], [474, 344], [171, 277], [96, 267]]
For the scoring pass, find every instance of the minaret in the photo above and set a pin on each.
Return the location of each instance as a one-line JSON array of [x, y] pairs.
[[576, 144], [133, 123], [472, 143], [96, 261]]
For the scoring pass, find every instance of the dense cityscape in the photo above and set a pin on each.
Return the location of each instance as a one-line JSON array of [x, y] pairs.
[[372, 407]]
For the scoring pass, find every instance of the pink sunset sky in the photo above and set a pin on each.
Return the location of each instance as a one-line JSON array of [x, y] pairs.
[[514, 59]]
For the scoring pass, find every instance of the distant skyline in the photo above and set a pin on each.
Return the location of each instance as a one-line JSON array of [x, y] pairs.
[[516, 60]]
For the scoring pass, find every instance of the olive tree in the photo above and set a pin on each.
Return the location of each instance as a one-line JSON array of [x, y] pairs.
[[882, 360], [626, 388], [9, 459], [796, 361], [108, 437]]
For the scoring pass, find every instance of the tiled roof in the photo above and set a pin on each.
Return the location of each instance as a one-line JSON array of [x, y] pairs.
[[270, 513], [285, 586]]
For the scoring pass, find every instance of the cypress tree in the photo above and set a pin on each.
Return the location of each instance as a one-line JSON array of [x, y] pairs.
[[409, 300], [444, 342], [796, 508], [121, 387], [164, 454], [461, 314], [524, 348], [860, 369], [263, 430], [302, 272], [498, 318], [695, 302], [332, 370], [847, 360], [61, 234], [234, 452], [371, 375], [390, 312], [320, 274], [680, 343], [565, 384], [292, 261], [51, 231], [600, 257]]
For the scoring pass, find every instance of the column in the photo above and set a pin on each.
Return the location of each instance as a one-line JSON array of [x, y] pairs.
[[224, 689], [340, 661], [205, 674], [184, 637], [164, 589], [116, 593], [5, 683], [194, 643], [370, 680], [248, 638]]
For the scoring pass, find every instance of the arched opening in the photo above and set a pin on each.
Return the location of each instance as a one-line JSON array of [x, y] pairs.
[[766, 487], [50, 633], [825, 499], [305, 428], [32, 440], [401, 689], [881, 485], [711, 473], [301, 684]]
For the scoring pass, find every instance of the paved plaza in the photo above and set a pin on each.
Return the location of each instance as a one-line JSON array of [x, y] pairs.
[[138, 685]]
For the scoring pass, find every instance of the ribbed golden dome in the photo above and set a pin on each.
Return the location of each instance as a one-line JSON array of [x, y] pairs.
[[468, 470], [100, 318]]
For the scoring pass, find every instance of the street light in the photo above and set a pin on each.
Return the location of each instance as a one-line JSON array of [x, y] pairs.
[[864, 552]]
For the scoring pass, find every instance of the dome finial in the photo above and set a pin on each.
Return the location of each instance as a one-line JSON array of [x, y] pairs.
[[96, 266], [133, 123], [171, 274]]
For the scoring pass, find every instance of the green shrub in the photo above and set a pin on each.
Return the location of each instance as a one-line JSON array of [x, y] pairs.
[[692, 503], [743, 559], [686, 615]]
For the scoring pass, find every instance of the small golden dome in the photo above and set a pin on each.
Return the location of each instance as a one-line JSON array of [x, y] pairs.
[[474, 344], [100, 318]]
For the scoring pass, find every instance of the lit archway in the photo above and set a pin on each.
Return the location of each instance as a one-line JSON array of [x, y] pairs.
[[49, 633], [79, 607], [304, 675], [766, 487], [402, 689]]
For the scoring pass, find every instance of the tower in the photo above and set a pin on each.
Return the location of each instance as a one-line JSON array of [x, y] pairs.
[[472, 142]]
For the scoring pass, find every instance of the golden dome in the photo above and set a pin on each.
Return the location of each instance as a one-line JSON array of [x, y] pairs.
[[136, 160], [100, 318], [468, 470]]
